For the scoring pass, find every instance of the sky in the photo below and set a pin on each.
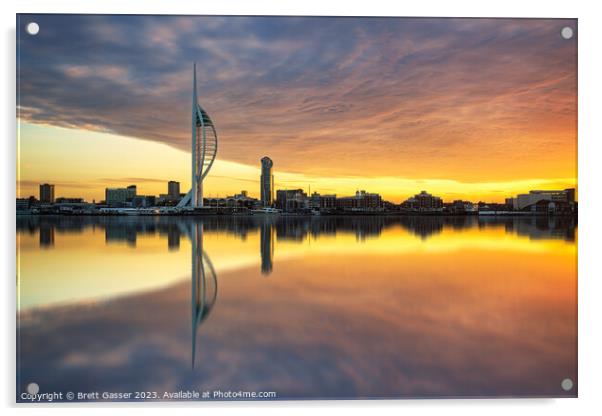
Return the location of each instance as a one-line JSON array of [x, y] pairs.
[[478, 109]]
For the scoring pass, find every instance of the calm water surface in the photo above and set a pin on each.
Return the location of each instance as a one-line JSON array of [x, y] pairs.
[[319, 307]]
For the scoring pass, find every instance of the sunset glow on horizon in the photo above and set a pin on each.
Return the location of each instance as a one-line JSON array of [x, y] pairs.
[[472, 109]]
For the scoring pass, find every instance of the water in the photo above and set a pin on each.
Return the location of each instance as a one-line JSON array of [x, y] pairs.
[[316, 307]]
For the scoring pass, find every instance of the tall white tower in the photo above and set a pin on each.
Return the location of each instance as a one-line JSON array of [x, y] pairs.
[[204, 150]]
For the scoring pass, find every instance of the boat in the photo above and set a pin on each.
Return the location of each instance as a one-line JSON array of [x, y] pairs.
[[266, 210]]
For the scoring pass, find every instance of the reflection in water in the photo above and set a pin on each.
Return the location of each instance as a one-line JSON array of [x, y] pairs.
[[127, 229], [46, 235], [173, 237], [204, 282], [115, 232], [267, 245], [354, 306], [295, 229]]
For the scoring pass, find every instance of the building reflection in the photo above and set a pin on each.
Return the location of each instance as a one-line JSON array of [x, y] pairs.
[[119, 234], [541, 228], [46, 235], [173, 238], [126, 230]]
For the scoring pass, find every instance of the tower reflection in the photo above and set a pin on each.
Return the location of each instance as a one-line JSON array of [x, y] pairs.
[[266, 235], [204, 282]]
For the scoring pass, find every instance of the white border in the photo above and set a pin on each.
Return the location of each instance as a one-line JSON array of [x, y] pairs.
[[590, 178]]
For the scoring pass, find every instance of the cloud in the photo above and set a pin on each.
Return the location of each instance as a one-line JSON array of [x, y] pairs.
[[65, 184], [132, 180], [410, 97]]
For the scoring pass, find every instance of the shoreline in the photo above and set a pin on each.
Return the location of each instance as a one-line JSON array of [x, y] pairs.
[[296, 215]]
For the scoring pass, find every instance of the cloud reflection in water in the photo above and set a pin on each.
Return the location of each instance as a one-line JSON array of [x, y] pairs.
[[473, 322]]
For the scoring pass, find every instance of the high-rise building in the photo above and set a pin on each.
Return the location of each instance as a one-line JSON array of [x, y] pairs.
[[130, 192], [46, 193], [267, 182], [173, 190], [116, 196]]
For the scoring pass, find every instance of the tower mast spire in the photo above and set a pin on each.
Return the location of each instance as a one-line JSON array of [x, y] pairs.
[[194, 93], [204, 149], [195, 156]]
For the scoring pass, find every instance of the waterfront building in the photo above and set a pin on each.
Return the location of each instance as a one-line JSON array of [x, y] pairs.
[[525, 201], [241, 200], [544, 206], [46, 193], [64, 200], [423, 202], [173, 190], [328, 201], [459, 207], [73, 206], [143, 201], [314, 201], [317, 201], [267, 182], [570, 194], [493, 206], [291, 200], [23, 204], [361, 201], [116, 196], [130, 192]]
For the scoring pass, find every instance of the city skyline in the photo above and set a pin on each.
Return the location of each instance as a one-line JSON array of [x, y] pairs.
[[127, 195], [339, 115]]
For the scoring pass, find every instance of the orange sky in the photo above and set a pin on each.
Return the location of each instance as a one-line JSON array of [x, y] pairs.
[[477, 109]]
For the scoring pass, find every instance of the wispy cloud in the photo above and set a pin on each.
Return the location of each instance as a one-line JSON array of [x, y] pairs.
[[132, 180], [438, 98]]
